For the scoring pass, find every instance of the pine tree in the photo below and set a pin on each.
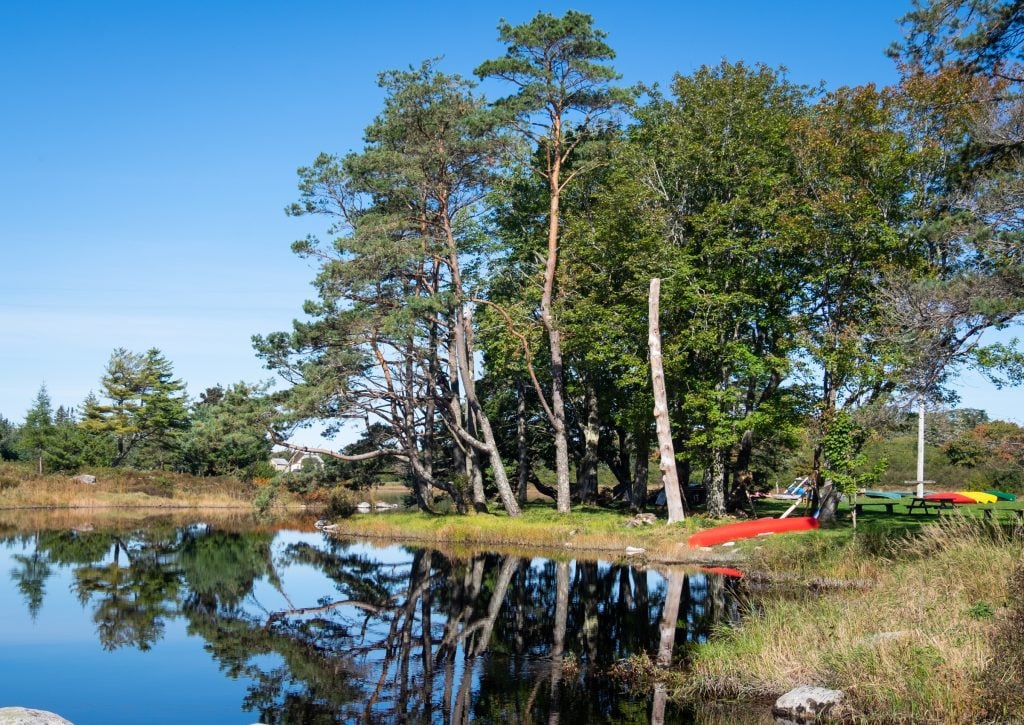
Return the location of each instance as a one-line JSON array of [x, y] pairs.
[[560, 69], [37, 433], [146, 403]]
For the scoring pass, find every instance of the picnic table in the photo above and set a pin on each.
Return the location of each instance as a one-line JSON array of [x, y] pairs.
[[1019, 513], [930, 503]]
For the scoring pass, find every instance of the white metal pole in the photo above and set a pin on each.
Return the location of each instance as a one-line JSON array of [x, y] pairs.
[[920, 446]]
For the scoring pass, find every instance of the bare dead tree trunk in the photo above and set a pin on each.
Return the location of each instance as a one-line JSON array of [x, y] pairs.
[[667, 461]]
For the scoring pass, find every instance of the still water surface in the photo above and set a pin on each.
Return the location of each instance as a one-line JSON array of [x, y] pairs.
[[229, 624]]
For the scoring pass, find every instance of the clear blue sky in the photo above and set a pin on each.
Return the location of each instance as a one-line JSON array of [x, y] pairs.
[[147, 150]]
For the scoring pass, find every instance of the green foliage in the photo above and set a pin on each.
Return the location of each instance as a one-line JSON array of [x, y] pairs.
[[846, 463], [340, 504], [265, 498], [8, 440], [980, 610], [559, 65], [228, 433], [980, 36]]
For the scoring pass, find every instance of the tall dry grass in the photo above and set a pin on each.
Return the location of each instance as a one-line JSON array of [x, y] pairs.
[[910, 641], [22, 488]]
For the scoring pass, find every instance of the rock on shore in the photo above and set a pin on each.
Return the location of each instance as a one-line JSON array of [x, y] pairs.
[[25, 716], [806, 704]]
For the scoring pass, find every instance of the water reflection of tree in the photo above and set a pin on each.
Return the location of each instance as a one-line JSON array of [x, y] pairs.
[[132, 600], [30, 576], [220, 567]]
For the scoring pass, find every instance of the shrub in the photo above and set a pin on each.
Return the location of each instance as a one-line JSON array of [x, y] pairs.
[[340, 504], [265, 498]]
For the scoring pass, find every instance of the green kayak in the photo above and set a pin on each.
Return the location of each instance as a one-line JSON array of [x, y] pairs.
[[1003, 496]]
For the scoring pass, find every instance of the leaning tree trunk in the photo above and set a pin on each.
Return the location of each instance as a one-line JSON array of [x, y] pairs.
[[474, 409], [547, 317], [474, 469], [667, 461]]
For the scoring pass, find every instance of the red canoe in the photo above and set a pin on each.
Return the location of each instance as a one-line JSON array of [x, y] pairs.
[[750, 529], [951, 497]]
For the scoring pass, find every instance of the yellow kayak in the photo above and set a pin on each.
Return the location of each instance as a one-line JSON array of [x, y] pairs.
[[979, 496]]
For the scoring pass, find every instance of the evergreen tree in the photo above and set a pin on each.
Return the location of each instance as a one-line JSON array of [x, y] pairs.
[[228, 434], [37, 432], [146, 404], [163, 415], [98, 444], [66, 445], [390, 337]]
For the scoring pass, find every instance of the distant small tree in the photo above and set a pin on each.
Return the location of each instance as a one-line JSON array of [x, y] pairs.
[[37, 433]]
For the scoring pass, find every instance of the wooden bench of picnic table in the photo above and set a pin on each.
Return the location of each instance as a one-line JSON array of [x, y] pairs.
[[1019, 513], [929, 503], [858, 506]]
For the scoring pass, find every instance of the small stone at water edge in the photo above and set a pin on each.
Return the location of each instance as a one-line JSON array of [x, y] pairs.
[[634, 550], [729, 543]]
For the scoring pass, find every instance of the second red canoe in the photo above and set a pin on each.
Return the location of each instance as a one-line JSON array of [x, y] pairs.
[[750, 529]]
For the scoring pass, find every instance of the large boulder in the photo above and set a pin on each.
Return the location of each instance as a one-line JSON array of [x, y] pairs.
[[84, 478], [806, 704], [25, 716]]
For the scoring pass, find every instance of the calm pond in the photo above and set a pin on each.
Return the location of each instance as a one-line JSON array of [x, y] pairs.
[[234, 623]]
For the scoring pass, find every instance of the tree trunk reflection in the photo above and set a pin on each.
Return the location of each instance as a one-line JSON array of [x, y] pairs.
[[413, 636]]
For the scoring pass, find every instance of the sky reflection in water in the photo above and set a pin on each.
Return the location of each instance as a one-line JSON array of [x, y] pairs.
[[208, 625]]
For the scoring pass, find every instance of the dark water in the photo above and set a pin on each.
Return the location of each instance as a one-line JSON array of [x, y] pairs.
[[198, 623]]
